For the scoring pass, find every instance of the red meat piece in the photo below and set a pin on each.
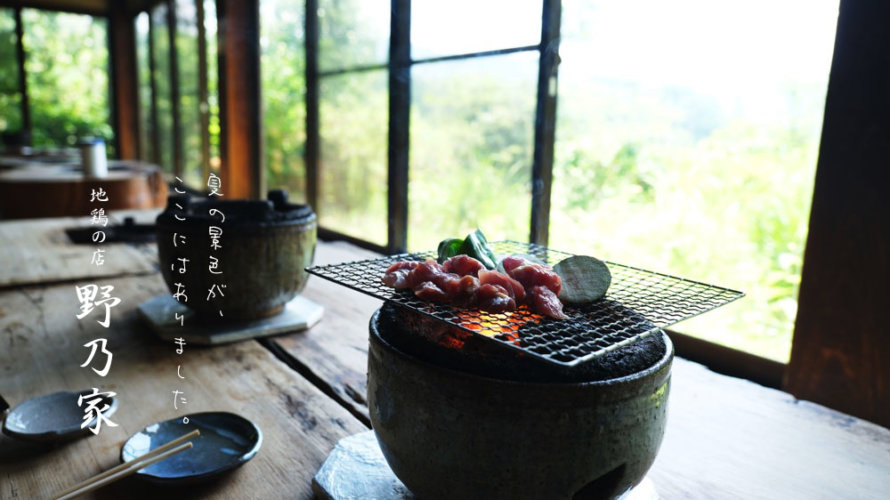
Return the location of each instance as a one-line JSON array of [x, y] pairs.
[[397, 274], [542, 300], [531, 275], [494, 298], [512, 262], [462, 265], [430, 292], [426, 271], [513, 287], [465, 291]]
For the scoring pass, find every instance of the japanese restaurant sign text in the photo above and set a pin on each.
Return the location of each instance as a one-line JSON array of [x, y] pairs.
[[93, 297]]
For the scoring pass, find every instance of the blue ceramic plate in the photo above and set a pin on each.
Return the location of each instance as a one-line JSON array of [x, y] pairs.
[[53, 417], [226, 441]]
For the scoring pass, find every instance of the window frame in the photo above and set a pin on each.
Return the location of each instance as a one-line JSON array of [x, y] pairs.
[[399, 66], [153, 154], [717, 357], [855, 103]]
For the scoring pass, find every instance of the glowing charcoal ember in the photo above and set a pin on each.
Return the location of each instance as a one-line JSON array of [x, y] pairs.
[[505, 326]]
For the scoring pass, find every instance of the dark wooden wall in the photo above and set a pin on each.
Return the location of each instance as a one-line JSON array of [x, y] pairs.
[[241, 106], [841, 351], [124, 81]]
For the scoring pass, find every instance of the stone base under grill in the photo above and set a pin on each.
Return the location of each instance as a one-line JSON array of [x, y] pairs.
[[160, 313], [355, 470]]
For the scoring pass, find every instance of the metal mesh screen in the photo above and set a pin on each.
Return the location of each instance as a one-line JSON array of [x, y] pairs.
[[638, 303]]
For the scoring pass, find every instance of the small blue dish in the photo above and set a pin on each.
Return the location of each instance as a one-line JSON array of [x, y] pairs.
[[53, 417], [226, 441]]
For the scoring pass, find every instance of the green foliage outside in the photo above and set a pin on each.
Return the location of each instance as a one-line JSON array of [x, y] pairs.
[[163, 94], [472, 133], [10, 98], [727, 206], [664, 178], [189, 105], [189, 102], [283, 90], [143, 53], [67, 71], [353, 111]]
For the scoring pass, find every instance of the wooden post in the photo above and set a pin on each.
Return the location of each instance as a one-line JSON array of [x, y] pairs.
[[203, 92], [175, 101], [124, 81], [545, 123], [154, 155], [241, 109], [313, 137], [399, 125], [840, 356]]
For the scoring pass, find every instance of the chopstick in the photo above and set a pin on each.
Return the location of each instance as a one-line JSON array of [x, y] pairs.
[[125, 469]]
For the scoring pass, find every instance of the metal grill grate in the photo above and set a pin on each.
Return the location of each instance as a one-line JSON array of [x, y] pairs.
[[638, 303]]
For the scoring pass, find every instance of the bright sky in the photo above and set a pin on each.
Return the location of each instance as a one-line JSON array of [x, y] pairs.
[[701, 43], [748, 51], [688, 42]]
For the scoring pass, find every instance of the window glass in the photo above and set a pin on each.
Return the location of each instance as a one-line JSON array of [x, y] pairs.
[[144, 73], [465, 26], [472, 129], [282, 58], [67, 72], [10, 95], [352, 33], [189, 98], [161, 52], [687, 142], [353, 111]]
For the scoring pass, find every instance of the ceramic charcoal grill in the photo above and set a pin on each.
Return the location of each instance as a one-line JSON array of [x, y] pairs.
[[470, 404]]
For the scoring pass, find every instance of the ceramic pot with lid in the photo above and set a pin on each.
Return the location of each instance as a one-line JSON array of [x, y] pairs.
[[236, 259]]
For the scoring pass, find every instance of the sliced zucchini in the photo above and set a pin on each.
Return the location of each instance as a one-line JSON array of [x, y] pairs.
[[584, 279]]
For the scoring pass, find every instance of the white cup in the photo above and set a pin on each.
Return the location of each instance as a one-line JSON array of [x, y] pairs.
[[92, 154]]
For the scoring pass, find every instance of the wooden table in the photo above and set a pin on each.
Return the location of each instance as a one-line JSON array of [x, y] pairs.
[[38, 251], [726, 438], [56, 190]]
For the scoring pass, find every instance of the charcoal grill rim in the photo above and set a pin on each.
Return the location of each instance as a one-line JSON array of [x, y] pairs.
[[665, 363]]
